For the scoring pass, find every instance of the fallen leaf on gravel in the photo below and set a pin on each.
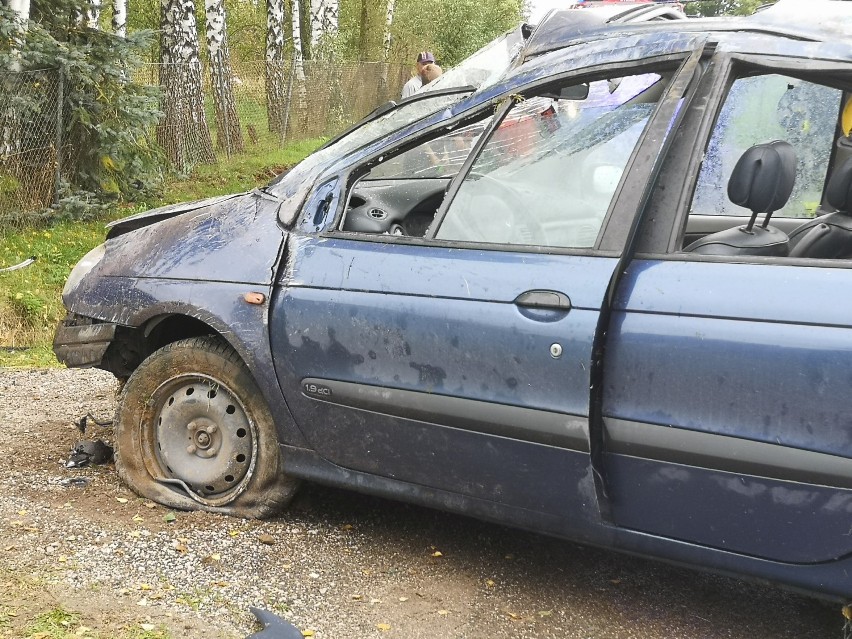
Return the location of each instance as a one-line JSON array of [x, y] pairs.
[[62, 559], [135, 534], [142, 602], [22, 513], [314, 575], [356, 597], [375, 601], [234, 533], [221, 584], [147, 627], [437, 553], [145, 587], [384, 627], [181, 548], [41, 635], [9, 548], [510, 556], [545, 613], [149, 504], [169, 517], [266, 539], [443, 613], [346, 527], [122, 500], [489, 583], [403, 599], [138, 518], [513, 615], [82, 630], [307, 633], [615, 582]]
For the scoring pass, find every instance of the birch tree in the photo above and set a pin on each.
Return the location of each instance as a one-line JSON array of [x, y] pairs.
[[119, 17], [324, 23], [9, 135], [386, 45], [93, 14], [22, 8], [276, 103], [298, 47], [183, 131], [228, 134]]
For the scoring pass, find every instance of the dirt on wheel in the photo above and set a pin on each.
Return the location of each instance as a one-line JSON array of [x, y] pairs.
[[336, 564]]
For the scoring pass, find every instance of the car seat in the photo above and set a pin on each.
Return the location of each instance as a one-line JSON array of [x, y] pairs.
[[761, 181], [829, 236]]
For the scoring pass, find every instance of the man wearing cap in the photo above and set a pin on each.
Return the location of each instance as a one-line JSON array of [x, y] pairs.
[[411, 87]]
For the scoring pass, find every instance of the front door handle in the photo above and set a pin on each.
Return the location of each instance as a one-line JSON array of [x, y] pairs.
[[553, 300]]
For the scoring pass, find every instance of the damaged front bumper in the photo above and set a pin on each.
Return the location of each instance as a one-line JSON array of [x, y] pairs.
[[81, 342]]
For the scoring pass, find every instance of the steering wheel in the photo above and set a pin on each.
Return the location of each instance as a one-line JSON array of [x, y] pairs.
[[475, 223]]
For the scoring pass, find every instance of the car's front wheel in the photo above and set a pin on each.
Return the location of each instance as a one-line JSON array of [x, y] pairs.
[[193, 432]]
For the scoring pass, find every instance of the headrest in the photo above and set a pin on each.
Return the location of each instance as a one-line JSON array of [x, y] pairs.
[[764, 176], [839, 191]]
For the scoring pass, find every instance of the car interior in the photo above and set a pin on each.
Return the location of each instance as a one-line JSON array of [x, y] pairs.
[[787, 192], [546, 175]]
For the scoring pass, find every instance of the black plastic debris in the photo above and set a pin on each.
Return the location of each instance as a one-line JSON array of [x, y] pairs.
[[274, 627], [86, 453], [83, 422], [75, 482]]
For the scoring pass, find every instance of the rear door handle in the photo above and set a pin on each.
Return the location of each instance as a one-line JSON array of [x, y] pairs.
[[553, 300]]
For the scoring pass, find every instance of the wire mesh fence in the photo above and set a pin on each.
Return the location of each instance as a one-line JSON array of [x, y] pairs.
[[272, 104], [30, 142]]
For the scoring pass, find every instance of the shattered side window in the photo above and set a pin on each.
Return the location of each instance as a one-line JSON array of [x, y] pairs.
[[761, 109], [439, 158], [549, 172]]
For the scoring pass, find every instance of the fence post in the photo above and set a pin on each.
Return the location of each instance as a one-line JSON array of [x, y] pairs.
[[60, 100]]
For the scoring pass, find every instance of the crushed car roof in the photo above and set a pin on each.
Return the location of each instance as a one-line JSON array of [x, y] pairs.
[[815, 20]]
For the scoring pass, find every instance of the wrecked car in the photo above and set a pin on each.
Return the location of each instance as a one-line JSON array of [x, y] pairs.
[[600, 297]]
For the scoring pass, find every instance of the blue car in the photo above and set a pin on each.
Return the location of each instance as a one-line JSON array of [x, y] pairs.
[[598, 294]]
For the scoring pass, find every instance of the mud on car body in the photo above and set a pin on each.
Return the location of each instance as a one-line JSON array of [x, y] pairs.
[[598, 297]]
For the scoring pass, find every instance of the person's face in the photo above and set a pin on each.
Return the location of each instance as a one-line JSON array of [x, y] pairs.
[[420, 67]]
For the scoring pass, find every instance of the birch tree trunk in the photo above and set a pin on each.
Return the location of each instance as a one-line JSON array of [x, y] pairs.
[[229, 137], [388, 22], [93, 14], [10, 138], [298, 50], [119, 17], [183, 131], [386, 47], [276, 103], [324, 24]]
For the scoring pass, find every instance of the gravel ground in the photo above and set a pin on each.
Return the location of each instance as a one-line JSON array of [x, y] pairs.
[[338, 564]]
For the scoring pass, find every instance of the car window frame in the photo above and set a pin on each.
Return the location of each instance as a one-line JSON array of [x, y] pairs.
[[669, 209], [620, 210]]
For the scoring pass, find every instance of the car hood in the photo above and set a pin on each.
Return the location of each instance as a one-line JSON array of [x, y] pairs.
[[228, 239], [127, 224]]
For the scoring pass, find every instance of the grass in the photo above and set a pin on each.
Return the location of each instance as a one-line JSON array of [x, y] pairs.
[[59, 623], [30, 298]]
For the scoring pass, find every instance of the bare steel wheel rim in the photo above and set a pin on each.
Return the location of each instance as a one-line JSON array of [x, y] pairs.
[[202, 438]]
